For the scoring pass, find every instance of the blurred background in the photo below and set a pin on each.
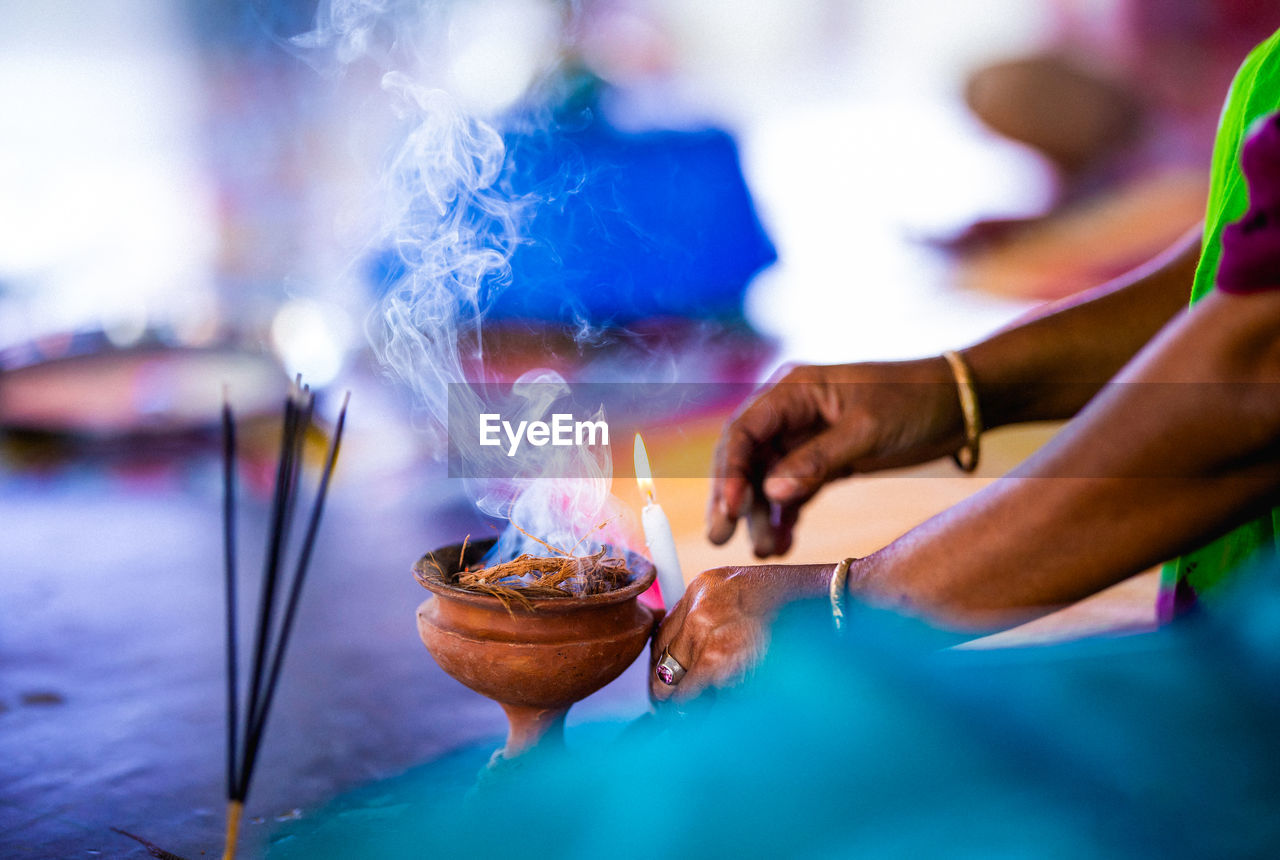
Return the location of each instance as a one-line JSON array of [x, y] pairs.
[[185, 173], [193, 196], [176, 171]]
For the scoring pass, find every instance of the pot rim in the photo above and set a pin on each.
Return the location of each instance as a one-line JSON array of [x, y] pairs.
[[643, 570]]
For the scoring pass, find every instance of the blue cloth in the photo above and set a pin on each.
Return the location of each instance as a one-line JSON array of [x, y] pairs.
[[880, 744], [662, 225], [625, 227]]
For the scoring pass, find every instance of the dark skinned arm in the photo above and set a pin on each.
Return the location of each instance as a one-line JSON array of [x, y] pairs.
[[1182, 447], [819, 423]]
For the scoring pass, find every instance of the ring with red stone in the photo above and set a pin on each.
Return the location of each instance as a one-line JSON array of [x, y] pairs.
[[669, 670]]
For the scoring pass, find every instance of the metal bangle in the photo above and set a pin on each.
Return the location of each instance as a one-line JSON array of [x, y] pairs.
[[967, 457], [836, 588]]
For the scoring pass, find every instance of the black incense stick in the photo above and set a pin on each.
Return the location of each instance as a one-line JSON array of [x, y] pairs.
[[267, 592], [258, 725], [269, 650], [280, 508], [229, 554]]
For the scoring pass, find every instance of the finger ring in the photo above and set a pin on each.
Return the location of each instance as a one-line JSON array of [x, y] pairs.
[[669, 670]]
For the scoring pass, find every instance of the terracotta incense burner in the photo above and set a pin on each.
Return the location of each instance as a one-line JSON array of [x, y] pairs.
[[534, 660]]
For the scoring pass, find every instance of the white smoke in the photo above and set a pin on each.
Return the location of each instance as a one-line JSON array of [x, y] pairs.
[[453, 222], [454, 230]]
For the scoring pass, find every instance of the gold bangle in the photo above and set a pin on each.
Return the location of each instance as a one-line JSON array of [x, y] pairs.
[[839, 577], [967, 457]]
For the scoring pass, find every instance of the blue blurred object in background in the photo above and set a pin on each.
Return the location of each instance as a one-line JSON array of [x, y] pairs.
[[625, 227], [662, 225]]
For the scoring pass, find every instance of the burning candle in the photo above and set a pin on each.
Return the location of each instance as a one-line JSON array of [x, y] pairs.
[[657, 532]]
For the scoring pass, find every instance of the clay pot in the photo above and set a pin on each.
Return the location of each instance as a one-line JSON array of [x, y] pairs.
[[535, 661]]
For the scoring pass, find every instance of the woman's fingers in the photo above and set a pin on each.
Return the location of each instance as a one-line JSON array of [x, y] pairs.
[[699, 636], [693, 684], [801, 472], [760, 526], [679, 636], [746, 448], [723, 659], [722, 513], [717, 631], [733, 469], [771, 526], [784, 524], [670, 629], [713, 660], [659, 689], [818, 423]]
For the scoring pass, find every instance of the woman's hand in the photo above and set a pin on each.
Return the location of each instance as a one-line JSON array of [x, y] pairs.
[[819, 423], [719, 629]]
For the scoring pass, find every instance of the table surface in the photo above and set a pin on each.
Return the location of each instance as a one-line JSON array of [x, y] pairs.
[[111, 665]]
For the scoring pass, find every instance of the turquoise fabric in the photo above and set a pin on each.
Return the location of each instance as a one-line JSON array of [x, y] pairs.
[[879, 745]]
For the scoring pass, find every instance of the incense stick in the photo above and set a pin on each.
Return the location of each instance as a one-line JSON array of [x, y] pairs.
[[269, 651], [254, 738], [229, 568], [267, 593]]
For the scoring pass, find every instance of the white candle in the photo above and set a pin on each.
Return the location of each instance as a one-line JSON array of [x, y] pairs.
[[657, 533]]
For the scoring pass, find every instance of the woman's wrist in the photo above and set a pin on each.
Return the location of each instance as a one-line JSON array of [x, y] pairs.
[[836, 590], [950, 426], [865, 583], [966, 457]]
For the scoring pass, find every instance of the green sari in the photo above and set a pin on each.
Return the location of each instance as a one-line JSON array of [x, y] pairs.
[[1255, 93]]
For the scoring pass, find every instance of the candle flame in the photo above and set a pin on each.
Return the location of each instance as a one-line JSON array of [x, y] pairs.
[[644, 478]]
